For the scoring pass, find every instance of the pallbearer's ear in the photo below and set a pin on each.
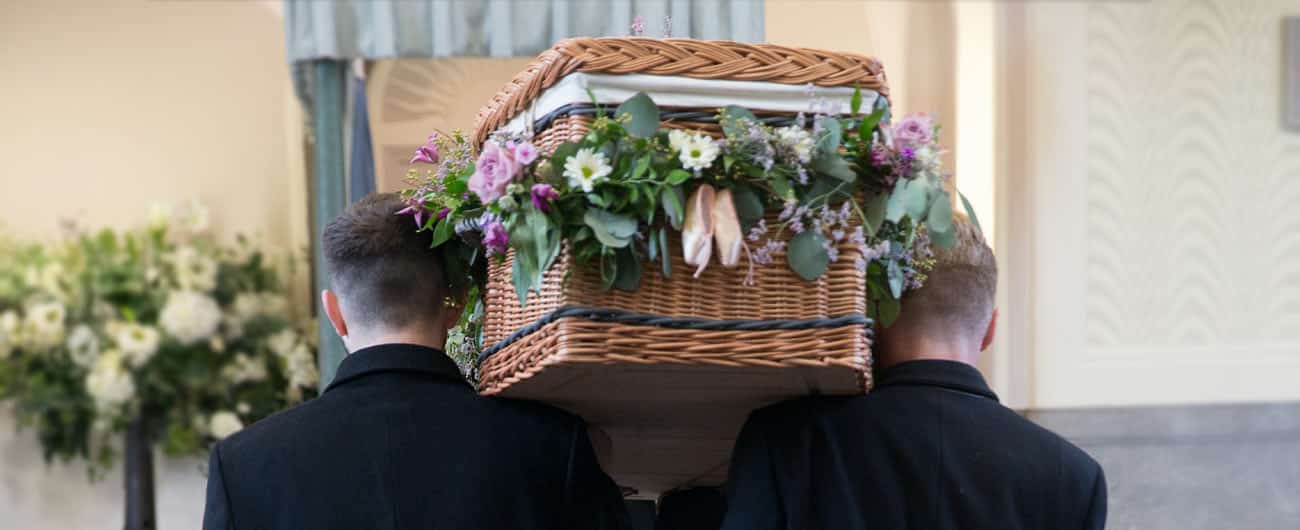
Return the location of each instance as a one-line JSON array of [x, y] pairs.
[[330, 303], [990, 332]]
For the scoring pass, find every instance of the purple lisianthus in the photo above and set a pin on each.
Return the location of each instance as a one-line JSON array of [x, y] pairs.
[[415, 209], [525, 152], [914, 131], [495, 238], [543, 195], [443, 213], [427, 153], [495, 168]]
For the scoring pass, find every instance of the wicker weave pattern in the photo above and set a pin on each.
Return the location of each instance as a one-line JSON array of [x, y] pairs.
[[579, 341], [678, 57], [719, 293]]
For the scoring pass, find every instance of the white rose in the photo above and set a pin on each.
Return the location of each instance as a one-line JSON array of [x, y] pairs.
[[83, 346], [300, 365], [196, 219], [43, 327], [194, 271], [223, 424], [160, 215], [245, 368], [189, 316], [137, 343], [108, 382], [9, 324], [282, 342]]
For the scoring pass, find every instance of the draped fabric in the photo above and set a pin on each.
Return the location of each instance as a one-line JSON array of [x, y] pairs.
[[322, 36], [383, 29]]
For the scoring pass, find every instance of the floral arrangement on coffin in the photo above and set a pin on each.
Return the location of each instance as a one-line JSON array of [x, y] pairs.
[[614, 195], [159, 325]]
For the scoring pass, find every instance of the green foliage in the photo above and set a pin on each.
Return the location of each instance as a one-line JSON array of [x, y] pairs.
[[807, 255]]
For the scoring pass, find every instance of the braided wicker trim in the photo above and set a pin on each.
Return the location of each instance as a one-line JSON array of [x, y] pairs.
[[616, 316], [576, 341], [703, 59]]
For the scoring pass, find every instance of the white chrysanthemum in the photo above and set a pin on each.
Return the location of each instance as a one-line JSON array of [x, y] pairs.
[[83, 346], [245, 369], [699, 153], [797, 140], [160, 215], [194, 271], [585, 168], [108, 382], [223, 424], [9, 326], [189, 316], [300, 366], [137, 343], [282, 342], [677, 139], [43, 328]]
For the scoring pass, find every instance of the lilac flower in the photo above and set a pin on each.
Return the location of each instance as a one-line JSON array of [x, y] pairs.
[[858, 237], [427, 153], [837, 235], [860, 264], [832, 251], [796, 225], [638, 25], [788, 211], [801, 175], [525, 152], [757, 231], [543, 195], [763, 255], [495, 238]]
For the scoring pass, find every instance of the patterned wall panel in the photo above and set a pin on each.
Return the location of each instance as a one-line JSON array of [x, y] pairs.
[[1193, 230]]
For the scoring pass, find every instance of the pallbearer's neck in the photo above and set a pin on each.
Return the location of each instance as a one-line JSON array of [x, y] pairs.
[[897, 346], [428, 336]]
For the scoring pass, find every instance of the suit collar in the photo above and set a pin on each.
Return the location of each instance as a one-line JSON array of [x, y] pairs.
[[951, 375], [396, 358]]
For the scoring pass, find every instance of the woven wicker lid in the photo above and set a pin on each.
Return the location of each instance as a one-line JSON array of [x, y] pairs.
[[701, 59]]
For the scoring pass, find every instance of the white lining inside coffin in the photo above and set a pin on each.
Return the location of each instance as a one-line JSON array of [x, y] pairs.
[[673, 91]]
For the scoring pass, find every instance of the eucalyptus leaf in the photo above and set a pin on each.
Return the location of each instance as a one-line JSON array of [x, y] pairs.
[[882, 105], [807, 255], [652, 245], [733, 119], [874, 211], [917, 199], [896, 206], [613, 230], [665, 254], [628, 277], [970, 211], [749, 206], [644, 114], [944, 239], [940, 217], [674, 201], [829, 142], [895, 274], [832, 164]]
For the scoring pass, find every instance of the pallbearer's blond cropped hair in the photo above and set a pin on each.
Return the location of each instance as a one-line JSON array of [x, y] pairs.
[[959, 292]]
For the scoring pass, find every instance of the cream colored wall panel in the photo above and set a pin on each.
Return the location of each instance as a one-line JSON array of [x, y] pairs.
[[1166, 241]]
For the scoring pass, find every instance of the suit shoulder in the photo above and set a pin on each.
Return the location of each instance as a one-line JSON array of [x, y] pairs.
[[532, 413], [800, 410]]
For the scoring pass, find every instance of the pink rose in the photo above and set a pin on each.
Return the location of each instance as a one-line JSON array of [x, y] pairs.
[[525, 152], [914, 130], [494, 170]]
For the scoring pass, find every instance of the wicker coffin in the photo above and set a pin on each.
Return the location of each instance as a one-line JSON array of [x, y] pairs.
[[669, 372]]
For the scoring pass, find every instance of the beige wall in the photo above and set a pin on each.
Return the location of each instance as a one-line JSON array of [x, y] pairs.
[[107, 107]]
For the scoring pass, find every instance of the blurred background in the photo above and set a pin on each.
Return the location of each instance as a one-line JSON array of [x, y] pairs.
[[1136, 163]]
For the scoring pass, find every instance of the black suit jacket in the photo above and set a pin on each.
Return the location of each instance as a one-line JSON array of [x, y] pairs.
[[399, 440], [929, 449]]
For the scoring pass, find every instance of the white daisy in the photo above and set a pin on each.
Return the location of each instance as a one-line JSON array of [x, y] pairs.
[[586, 168], [699, 152], [677, 139]]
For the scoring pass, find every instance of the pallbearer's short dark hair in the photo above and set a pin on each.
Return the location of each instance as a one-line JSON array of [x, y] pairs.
[[381, 265]]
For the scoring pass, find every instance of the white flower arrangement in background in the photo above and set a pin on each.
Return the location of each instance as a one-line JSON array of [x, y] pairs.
[[160, 324]]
